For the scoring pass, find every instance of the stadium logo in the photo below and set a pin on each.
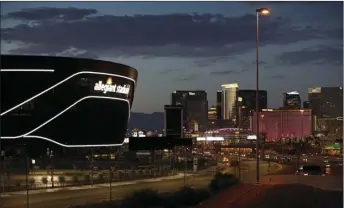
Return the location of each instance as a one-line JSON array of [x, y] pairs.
[[110, 87]]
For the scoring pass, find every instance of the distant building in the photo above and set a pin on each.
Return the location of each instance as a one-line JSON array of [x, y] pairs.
[[249, 104], [219, 104], [173, 121], [277, 124], [229, 103], [326, 102], [306, 104], [327, 109], [291, 100], [249, 99], [212, 117], [195, 109]]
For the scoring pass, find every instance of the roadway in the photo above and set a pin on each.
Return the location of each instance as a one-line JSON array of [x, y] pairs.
[[273, 187], [55, 198], [69, 197]]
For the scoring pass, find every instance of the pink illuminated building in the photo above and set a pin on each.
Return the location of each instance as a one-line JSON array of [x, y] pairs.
[[284, 123]]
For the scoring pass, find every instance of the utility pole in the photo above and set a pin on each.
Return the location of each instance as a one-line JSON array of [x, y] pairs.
[[27, 177], [50, 157], [185, 163], [2, 169], [92, 166], [110, 177]]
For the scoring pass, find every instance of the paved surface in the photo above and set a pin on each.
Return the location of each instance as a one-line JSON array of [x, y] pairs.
[[71, 196], [280, 186], [272, 196], [66, 198]]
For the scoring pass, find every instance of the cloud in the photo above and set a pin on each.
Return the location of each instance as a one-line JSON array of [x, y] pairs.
[[318, 55], [198, 35], [189, 77], [43, 14], [225, 72], [212, 37], [169, 71], [278, 76]]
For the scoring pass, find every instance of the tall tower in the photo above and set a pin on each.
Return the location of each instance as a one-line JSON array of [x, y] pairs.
[[291, 100], [229, 103], [219, 104]]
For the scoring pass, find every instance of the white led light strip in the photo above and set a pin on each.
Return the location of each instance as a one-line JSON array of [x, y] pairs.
[[57, 115], [63, 145], [27, 70], [52, 87]]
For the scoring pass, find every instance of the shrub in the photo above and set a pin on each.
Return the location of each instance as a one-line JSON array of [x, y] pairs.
[[32, 182], [87, 178], [222, 181], [188, 196], [144, 198], [44, 180], [18, 183], [62, 180], [101, 177], [75, 179]]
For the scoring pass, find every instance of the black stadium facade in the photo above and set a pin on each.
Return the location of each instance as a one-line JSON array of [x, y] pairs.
[[68, 102]]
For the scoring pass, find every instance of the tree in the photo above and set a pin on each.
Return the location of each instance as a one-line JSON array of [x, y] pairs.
[[101, 177], [75, 179], [87, 178], [32, 182], [62, 180], [45, 181], [222, 181], [188, 196], [144, 198]]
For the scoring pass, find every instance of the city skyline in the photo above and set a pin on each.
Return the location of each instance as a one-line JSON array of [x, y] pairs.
[[196, 51]]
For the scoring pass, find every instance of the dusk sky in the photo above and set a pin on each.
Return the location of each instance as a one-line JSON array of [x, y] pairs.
[[188, 45]]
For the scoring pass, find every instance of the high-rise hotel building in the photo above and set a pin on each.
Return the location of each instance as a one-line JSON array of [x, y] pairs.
[[229, 108], [195, 108]]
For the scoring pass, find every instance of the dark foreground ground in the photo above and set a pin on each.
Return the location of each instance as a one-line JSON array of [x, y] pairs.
[[294, 196], [277, 196]]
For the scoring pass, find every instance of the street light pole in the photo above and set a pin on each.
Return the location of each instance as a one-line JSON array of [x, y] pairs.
[[302, 123], [261, 11]]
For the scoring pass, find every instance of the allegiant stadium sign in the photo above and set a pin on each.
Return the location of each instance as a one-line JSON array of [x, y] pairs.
[[109, 87]]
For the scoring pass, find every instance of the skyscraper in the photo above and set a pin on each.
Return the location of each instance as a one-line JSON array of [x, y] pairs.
[[327, 110], [326, 101], [291, 100], [212, 117], [229, 103], [249, 105], [195, 108], [173, 121], [249, 99], [306, 104], [219, 104]]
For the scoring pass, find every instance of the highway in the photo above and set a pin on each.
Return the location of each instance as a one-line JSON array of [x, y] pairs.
[[69, 197], [53, 198], [283, 188]]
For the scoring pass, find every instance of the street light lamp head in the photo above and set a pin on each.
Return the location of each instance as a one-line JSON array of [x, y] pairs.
[[263, 11]]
